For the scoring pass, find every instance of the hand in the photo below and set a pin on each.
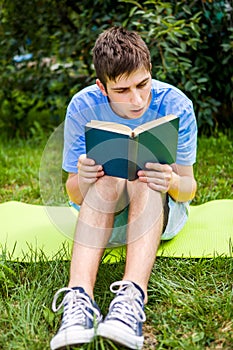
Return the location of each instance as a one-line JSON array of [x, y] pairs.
[[88, 171], [158, 176]]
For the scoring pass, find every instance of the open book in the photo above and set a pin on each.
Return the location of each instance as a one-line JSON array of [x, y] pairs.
[[123, 151]]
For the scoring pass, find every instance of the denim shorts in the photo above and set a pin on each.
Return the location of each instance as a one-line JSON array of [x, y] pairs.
[[177, 217]]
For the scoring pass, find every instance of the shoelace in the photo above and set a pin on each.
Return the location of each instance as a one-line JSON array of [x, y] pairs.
[[127, 305], [77, 306]]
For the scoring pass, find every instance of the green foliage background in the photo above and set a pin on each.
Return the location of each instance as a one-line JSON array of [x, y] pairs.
[[191, 47]]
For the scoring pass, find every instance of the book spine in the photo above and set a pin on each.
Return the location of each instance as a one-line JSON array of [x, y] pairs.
[[132, 158]]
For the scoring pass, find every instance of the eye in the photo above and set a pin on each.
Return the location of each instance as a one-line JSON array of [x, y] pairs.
[[121, 91], [142, 85]]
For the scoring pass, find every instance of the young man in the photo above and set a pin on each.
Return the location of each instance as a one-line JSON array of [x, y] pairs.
[[155, 204]]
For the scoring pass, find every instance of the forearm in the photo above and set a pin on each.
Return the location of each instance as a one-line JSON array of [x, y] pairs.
[[77, 184], [182, 188], [76, 192]]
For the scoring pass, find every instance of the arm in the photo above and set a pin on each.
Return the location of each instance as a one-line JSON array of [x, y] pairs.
[[78, 184], [177, 180], [183, 185]]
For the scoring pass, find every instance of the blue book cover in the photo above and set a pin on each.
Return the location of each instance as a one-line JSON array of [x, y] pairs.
[[123, 151]]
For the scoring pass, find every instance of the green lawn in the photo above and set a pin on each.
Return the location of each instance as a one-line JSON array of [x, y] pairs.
[[190, 300]]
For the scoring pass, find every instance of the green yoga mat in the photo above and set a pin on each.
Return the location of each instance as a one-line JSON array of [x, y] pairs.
[[28, 230]]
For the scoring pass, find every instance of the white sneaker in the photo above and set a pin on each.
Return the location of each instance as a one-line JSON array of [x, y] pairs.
[[80, 318], [123, 323]]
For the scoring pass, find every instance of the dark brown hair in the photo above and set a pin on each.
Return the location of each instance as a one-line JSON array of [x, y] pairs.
[[118, 51]]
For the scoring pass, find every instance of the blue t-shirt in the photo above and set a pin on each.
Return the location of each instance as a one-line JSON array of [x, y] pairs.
[[90, 103]]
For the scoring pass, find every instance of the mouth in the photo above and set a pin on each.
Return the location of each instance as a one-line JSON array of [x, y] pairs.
[[137, 111]]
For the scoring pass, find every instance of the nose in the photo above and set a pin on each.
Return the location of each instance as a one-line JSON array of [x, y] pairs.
[[135, 98]]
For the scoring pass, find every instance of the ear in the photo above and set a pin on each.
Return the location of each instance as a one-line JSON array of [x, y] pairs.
[[101, 87]]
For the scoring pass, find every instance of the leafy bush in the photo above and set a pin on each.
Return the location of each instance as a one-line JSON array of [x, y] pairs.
[[191, 47], [60, 36]]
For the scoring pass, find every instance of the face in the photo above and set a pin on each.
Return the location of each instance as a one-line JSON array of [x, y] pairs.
[[129, 96]]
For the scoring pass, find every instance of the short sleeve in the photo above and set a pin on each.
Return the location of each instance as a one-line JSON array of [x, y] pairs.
[[74, 139], [187, 138]]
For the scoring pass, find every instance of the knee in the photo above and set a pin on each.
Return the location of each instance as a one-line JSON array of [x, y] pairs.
[[109, 188], [139, 189]]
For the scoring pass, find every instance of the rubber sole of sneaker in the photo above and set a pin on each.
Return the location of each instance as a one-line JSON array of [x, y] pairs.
[[120, 336], [71, 337]]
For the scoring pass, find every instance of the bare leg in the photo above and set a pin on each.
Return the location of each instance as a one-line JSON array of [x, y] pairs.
[[145, 225], [93, 230]]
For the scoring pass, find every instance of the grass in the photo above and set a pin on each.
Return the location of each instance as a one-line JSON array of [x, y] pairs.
[[213, 169], [190, 300]]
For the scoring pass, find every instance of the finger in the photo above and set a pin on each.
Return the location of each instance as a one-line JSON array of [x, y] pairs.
[[84, 161], [159, 167], [90, 173], [90, 168], [157, 187], [90, 177], [159, 183], [152, 176]]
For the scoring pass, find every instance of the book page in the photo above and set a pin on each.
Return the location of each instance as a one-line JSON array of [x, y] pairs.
[[147, 126], [110, 126]]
